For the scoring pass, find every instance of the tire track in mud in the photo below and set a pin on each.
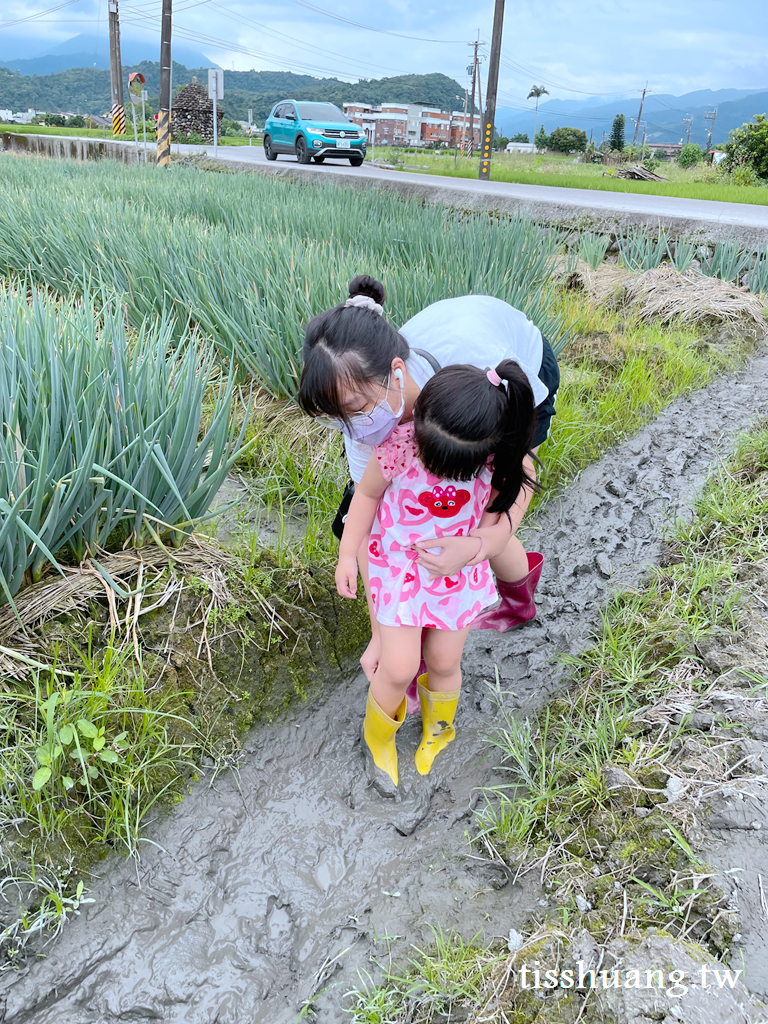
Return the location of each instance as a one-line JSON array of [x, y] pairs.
[[274, 882]]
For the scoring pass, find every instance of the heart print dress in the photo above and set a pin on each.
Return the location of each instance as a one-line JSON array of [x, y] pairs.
[[417, 506]]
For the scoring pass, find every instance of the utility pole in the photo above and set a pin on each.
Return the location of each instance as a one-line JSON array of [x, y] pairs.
[[472, 101], [490, 97], [688, 122], [710, 115], [640, 112], [164, 114], [116, 71]]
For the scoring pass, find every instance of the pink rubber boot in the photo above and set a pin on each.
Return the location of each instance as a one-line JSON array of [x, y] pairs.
[[516, 605]]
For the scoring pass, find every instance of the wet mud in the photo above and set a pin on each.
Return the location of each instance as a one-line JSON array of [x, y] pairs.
[[275, 884]]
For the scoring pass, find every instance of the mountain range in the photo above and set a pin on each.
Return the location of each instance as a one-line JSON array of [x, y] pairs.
[[87, 90], [89, 51], [663, 114]]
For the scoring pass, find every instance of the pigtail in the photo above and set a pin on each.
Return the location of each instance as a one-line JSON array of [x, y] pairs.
[[515, 436]]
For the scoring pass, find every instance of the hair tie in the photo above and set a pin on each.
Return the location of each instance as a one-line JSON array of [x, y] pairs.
[[365, 302], [494, 378]]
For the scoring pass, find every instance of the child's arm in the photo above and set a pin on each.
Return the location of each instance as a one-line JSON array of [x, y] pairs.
[[362, 512]]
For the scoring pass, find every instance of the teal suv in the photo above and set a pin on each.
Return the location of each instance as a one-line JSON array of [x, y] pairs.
[[307, 130]]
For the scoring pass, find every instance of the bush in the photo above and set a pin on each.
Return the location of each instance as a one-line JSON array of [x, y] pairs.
[[744, 174], [54, 121], [189, 139], [568, 140], [748, 145], [690, 155], [76, 122], [232, 129]]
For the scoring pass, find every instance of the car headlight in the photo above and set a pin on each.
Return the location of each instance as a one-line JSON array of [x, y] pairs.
[[312, 128]]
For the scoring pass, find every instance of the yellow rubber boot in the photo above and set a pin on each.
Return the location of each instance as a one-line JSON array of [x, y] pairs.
[[437, 714], [379, 731]]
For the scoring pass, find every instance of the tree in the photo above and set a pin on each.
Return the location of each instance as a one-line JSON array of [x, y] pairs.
[[54, 120], [566, 140], [536, 92], [76, 121], [616, 138], [520, 137], [500, 142], [541, 139], [690, 154], [748, 146]]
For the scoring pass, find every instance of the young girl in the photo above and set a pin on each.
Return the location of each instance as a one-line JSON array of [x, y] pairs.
[[456, 468]]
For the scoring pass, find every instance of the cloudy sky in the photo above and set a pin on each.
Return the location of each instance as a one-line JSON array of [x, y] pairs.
[[605, 47]]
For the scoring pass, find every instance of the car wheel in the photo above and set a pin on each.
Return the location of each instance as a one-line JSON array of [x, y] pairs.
[[356, 160], [269, 153], [319, 159], [303, 155]]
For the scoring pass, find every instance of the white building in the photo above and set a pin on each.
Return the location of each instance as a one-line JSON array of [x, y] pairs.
[[521, 147]]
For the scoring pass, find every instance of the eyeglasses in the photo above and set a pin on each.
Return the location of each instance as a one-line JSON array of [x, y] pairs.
[[361, 417]]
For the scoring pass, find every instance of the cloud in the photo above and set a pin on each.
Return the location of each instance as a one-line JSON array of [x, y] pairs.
[[607, 47]]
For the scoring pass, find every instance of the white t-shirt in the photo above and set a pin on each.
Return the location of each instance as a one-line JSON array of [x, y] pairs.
[[476, 329]]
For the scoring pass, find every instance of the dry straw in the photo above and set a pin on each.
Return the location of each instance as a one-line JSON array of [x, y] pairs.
[[664, 295]]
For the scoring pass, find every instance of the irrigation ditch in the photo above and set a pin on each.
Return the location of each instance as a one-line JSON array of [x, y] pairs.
[[282, 879], [280, 887]]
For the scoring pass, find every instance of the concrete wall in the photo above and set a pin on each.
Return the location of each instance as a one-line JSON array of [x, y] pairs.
[[66, 147]]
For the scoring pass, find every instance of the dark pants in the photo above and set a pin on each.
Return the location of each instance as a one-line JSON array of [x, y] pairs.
[[549, 375]]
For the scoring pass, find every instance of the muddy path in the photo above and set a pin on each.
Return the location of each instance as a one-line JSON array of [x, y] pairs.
[[284, 878]]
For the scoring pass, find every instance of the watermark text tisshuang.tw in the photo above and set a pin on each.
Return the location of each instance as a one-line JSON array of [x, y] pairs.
[[675, 983]]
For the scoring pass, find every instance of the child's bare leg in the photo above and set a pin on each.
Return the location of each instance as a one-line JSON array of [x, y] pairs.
[[370, 656], [398, 663], [442, 655]]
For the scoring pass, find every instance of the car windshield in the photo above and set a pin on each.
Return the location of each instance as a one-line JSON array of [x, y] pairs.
[[321, 112]]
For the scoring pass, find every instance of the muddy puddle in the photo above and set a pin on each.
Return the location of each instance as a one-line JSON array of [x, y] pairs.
[[280, 881]]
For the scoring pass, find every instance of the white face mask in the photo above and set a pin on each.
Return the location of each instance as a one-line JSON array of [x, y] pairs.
[[375, 426]]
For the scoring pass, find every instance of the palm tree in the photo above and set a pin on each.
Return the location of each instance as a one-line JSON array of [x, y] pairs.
[[536, 91]]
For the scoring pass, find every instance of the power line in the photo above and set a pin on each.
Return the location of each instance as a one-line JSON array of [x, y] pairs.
[[528, 72], [281, 62], [370, 28], [40, 14], [292, 39]]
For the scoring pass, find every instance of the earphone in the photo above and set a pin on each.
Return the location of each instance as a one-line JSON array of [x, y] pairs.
[[399, 375]]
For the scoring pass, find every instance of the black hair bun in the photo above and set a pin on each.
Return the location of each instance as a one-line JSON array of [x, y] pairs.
[[364, 284]]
